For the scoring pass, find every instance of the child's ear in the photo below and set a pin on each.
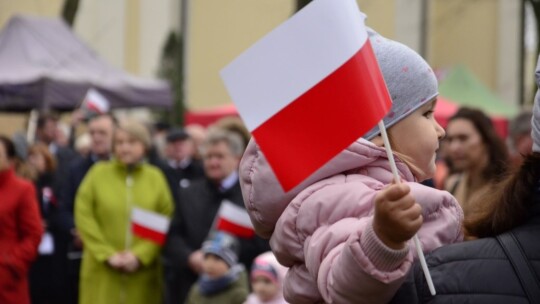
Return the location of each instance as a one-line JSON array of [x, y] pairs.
[[378, 141]]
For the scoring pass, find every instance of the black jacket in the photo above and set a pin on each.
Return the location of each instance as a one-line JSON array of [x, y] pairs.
[[191, 224], [72, 178], [180, 178], [475, 271]]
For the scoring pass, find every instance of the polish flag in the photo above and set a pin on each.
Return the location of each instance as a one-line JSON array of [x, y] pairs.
[[95, 102], [149, 225], [234, 219], [309, 88]]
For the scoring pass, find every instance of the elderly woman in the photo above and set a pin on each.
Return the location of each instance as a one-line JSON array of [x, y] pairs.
[[117, 266], [20, 229]]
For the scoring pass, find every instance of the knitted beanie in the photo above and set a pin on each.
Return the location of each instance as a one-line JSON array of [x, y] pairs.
[[224, 246], [410, 80], [266, 265]]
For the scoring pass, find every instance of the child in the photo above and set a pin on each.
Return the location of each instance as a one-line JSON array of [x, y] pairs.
[[344, 232], [223, 280], [267, 280]]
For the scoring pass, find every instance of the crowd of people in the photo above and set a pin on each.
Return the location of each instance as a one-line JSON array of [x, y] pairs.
[[66, 217], [67, 210]]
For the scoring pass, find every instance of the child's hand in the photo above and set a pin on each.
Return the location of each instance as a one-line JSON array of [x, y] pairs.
[[397, 216]]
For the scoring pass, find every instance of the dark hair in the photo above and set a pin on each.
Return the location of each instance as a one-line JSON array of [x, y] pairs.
[[495, 146], [104, 115], [44, 117], [10, 147], [508, 203]]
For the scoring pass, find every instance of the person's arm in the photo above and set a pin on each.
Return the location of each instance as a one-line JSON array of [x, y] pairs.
[[333, 231], [176, 251], [360, 270], [86, 220], [408, 292], [66, 201], [19, 257]]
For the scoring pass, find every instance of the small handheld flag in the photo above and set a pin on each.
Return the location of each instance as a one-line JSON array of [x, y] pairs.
[[234, 219], [95, 102], [149, 225], [298, 87], [310, 88]]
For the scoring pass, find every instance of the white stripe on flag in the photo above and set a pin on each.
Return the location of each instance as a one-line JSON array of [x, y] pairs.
[[97, 100], [258, 75], [234, 214], [151, 220]]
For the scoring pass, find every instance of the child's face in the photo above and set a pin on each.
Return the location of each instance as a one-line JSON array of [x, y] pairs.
[[214, 266], [417, 137], [264, 288]]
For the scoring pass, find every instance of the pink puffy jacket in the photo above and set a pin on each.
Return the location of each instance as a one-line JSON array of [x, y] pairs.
[[322, 229]]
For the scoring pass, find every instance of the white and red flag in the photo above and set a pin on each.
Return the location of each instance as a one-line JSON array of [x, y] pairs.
[[309, 88], [149, 225], [95, 102], [234, 219]]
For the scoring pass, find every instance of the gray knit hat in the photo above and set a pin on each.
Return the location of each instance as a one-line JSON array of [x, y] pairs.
[[410, 80]]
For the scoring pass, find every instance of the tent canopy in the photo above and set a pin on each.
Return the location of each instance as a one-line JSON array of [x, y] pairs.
[[45, 66], [462, 87]]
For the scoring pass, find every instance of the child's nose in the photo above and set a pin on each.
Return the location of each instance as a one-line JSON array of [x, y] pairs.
[[441, 133]]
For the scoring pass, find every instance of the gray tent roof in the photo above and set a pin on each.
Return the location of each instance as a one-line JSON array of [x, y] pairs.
[[43, 65]]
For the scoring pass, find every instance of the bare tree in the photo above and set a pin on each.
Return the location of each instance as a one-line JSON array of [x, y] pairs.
[[69, 11], [301, 3], [171, 70]]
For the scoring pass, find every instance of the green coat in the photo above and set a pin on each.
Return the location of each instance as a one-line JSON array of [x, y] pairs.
[[237, 293], [102, 216]]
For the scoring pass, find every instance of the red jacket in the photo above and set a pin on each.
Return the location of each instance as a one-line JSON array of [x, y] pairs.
[[20, 235]]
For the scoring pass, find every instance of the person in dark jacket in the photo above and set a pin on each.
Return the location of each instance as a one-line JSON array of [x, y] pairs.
[[101, 129], [196, 214], [47, 128], [179, 166], [223, 280], [46, 273], [481, 271]]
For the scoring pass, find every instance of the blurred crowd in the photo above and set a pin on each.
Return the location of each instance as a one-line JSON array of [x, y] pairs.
[[65, 222], [66, 199]]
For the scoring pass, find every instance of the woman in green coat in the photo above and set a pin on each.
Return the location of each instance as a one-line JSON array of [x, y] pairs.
[[117, 266]]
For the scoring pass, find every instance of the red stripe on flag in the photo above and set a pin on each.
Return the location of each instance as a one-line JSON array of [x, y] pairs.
[[93, 107], [149, 234], [323, 121], [234, 229]]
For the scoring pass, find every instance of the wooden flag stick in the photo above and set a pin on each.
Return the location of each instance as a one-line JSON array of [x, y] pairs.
[[417, 244]]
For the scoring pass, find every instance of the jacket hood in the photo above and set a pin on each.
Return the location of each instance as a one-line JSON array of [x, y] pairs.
[[264, 197]]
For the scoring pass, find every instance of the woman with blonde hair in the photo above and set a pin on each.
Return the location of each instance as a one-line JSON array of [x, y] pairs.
[[117, 266]]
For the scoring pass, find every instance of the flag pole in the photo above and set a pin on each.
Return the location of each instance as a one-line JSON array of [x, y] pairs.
[[417, 244]]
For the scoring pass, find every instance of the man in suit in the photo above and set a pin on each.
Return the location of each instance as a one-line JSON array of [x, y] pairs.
[[101, 129], [179, 166], [195, 215], [46, 131]]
